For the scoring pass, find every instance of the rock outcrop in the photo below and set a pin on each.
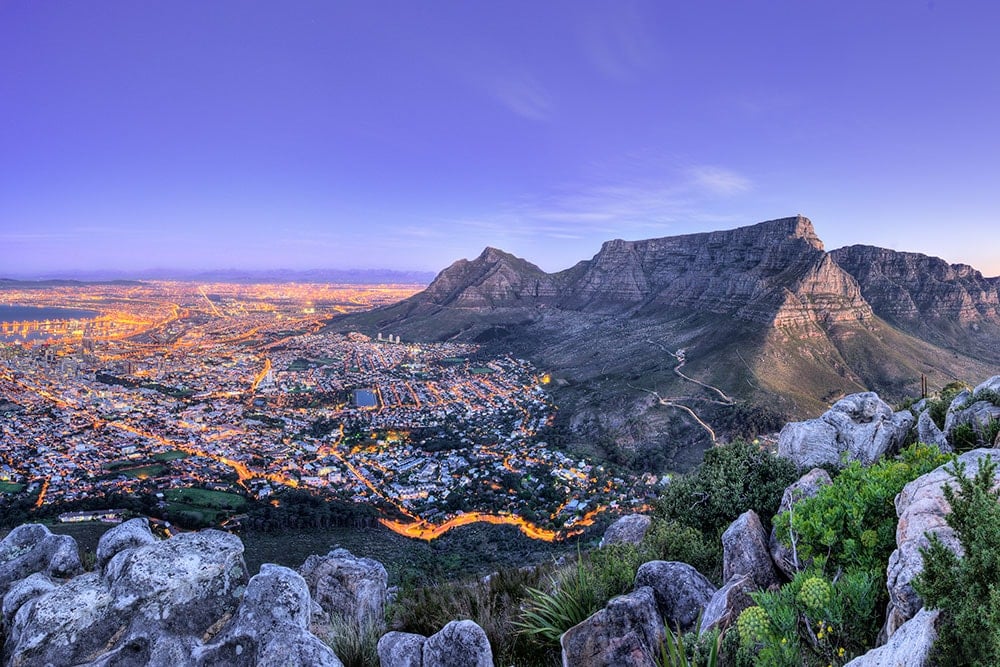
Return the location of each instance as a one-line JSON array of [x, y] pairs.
[[861, 426], [629, 529], [727, 603], [346, 586], [628, 632], [922, 508], [401, 649], [458, 644], [806, 486], [681, 591], [33, 548], [928, 432], [909, 646], [745, 551], [181, 601]]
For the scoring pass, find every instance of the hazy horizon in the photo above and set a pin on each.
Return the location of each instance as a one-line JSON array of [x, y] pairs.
[[392, 135]]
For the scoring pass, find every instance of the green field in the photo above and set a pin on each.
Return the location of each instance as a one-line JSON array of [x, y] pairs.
[[204, 498], [154, 470], [171, 455], [10, 487]]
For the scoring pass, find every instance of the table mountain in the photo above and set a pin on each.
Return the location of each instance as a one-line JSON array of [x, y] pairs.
[[762, 313]]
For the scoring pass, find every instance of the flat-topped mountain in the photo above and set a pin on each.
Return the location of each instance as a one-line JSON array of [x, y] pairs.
[[763, 313]]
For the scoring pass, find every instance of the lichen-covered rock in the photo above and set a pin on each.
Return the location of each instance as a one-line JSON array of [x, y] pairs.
[[628, 632], [270, 627], [458, 644], [681, 591], [33, 548], [22, 592], [922, 508], [347, 586], [954, 408], [910, 645], [745, 551], [861, 427], [129, 535], [727, 603], [401, 649], [806, 486], [928, 432], [629, 529], [152, 605]]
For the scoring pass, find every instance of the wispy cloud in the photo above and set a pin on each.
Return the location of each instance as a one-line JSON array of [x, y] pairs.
[[617, 42], [719, 181], [627, 208], [523, 95]]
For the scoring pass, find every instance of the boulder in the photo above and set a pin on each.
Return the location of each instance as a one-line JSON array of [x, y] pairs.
[[806, 486], [22, 592], [954, 408], [129, 535], [928, 432], [270, 627], [401, 649], [33, 548], [992, 384], [745, 551], [978, 415], [152, 604], [727, 603], [628, 632], [681, 592], [458, 644], [910, 645], [346, 586], [921, 508], [861, 427], [629, 529]]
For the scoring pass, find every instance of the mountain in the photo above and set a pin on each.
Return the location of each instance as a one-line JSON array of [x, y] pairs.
[[762, 313]]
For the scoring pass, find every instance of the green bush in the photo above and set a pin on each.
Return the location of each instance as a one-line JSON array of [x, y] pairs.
[[967, 435], [669, 540], [851, 523], [967, 589], [690, 650], [811, 621], [732, 479], [354, 642]]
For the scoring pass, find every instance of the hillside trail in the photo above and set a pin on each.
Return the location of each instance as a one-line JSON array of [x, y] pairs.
[[671, 402]]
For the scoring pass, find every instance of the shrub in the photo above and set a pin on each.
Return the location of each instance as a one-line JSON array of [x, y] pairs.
[[669, 540], [811, 620], [732, 479], [966, 590], [851, 523], [690, 650]]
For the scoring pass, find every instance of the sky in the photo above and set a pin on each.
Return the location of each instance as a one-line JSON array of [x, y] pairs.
[[405, 135]]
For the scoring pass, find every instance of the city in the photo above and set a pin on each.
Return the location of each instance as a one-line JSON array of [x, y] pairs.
[[237, 390]]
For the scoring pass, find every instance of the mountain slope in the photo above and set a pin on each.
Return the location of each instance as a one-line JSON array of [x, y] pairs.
[[761, 312]]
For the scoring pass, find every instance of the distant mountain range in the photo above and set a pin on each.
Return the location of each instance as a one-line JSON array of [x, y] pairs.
[[761, 312], [347, 276]]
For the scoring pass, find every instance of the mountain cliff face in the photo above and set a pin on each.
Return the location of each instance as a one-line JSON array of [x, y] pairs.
[[762, 312], [950, 304]]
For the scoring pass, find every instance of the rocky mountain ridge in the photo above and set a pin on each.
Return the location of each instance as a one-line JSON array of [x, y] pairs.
[[764, 312]]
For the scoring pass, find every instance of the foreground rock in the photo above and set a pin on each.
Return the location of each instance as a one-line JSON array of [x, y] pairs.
[[681, 591], [628, 632], [909, 646], [401, 649], [629, 529], [346, 586], [921, 508], [727, 603], [458, 644], [33, 548], [182, 601], [807, 486], [861, 426], [745, 551], [928, 432]]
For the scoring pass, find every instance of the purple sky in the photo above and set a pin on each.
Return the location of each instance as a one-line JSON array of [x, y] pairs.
[[245, 134]]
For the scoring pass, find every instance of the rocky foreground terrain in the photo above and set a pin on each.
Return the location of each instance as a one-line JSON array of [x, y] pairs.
[[188, 600], [762, 312]]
